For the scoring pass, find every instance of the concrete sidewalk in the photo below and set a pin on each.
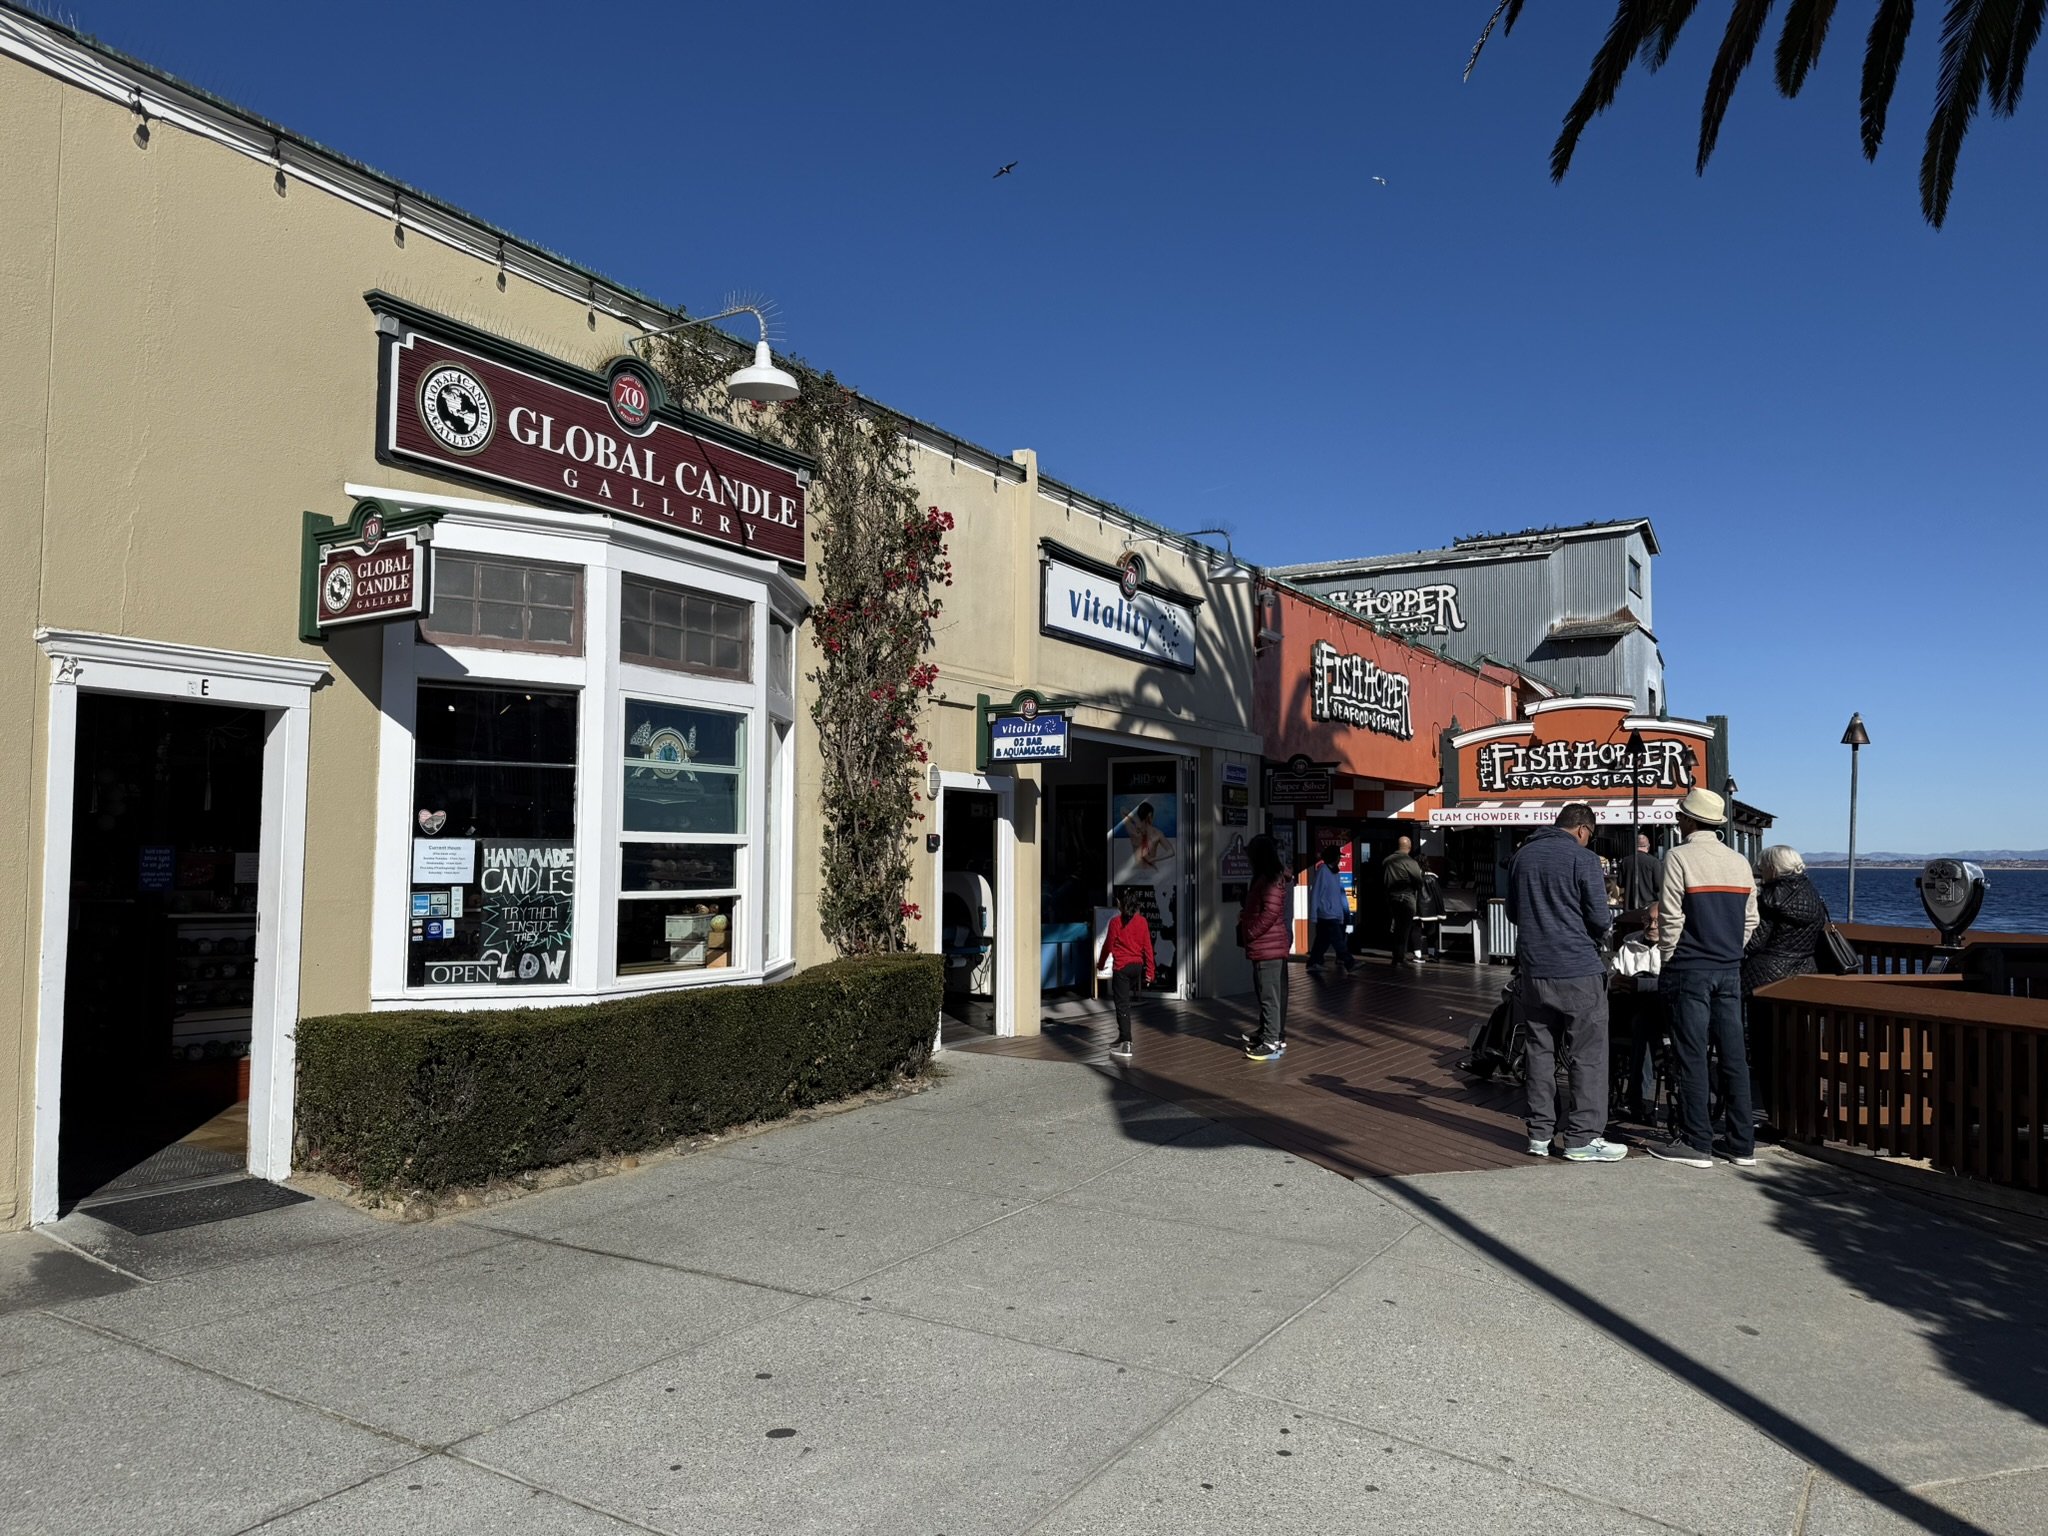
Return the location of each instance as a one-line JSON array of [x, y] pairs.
[[1034, 1300]]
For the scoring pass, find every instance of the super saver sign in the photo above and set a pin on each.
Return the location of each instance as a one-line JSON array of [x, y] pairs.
[[599, 446]]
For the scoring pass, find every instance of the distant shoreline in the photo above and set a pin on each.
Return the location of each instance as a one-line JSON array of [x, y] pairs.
[[1919, 864]]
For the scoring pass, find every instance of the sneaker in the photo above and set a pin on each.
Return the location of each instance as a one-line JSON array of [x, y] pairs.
[[1739, 1159], [1539, 1146], [1680, 1152], [1279, 1047], [1598, 1150], [1120, 1048], [1263, 1051]]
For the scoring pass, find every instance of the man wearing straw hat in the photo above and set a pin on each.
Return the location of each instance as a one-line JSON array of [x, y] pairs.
[[1704, 918]]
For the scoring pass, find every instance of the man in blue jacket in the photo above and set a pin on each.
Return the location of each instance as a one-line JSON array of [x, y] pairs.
[[1327, 910], [1557, 900]]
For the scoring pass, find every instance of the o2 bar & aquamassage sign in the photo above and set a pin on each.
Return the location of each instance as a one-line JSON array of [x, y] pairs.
[[472, 405]]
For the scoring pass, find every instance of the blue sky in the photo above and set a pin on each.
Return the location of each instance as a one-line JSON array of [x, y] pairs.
[[1193, 298]]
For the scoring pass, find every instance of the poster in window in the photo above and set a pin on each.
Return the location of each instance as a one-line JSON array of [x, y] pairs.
[[511, 926], [1144, 854]]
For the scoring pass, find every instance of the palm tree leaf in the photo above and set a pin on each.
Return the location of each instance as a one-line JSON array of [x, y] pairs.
[[2009, 65], [1972, 34], [1738, 47], [1664, 30], [1882, 51], [1505, 14], [1799, 45], [1632, 24]]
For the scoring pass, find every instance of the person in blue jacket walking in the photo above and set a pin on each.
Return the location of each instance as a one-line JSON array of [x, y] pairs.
[[1327, 910]]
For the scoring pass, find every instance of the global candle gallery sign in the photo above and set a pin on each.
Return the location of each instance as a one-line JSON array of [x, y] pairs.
[[481, 408]]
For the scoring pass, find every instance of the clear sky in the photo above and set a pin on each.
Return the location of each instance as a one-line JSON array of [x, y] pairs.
[[1193, 298]]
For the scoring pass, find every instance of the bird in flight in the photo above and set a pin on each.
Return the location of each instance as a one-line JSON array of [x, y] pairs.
[[1381, 180], [1005, 170]]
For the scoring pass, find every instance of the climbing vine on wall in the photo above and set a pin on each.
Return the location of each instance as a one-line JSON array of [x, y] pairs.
[[880, 560]]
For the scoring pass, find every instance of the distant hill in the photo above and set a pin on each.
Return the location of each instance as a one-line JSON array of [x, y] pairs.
[[1990, 858]]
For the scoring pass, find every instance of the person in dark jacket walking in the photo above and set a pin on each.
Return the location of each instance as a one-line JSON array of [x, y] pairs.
[[1265, 927], [1402, 877], [1128, 948], [1790, 918], [1557, 900], [1641, 875]]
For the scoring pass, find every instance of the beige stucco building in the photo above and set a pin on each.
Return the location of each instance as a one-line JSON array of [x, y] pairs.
[[584, 768]]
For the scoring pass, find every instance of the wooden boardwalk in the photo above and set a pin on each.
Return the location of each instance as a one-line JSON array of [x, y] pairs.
[[1367, 1087]]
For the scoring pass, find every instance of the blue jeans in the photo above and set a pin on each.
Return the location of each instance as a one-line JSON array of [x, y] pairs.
[[1705, 1008]]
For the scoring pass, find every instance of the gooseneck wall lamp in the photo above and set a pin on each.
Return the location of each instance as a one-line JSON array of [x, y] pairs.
[[760, 380]]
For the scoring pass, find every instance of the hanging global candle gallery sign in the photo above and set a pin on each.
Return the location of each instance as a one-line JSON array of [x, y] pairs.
[[1116, 608], [472, 405], [1573, 750], [372, 569], [1353, 690]]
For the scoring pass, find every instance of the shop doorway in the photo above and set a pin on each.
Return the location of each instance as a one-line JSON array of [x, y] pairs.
[[159, 991], [973, 902]]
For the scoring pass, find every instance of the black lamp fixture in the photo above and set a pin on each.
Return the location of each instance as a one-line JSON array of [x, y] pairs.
[[1855, 738]]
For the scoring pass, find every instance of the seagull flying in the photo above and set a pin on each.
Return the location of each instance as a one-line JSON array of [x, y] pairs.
[[1005, 170], [1381, 180]]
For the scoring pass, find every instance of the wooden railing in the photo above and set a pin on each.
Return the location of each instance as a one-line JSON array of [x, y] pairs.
[[1891, 951], [1957, 1078]]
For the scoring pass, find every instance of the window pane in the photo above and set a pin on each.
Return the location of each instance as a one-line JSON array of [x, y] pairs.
[[675, 935], [493, 838], [637, 600], [781, 658], [636, 637], [552, 626], [692, 631], [504, 583], [501, 621], [683, 769], [680, 866], [668, 644], [553, 589], [455, 578], [454, 613]]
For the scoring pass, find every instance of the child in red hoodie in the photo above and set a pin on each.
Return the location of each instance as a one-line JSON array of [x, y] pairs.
[[1128, 948]]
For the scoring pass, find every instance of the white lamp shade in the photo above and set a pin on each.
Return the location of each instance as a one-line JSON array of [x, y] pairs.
[[761, 380]]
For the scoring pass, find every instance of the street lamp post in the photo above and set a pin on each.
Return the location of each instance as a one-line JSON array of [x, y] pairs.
[[1635, 790], [1856, 738]]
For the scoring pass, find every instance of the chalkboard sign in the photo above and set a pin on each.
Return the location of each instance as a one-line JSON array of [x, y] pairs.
[[529, 887]]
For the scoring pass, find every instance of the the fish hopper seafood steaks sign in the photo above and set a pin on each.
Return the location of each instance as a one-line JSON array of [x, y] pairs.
[[608, 442], [1114, 608], [1521, 772]]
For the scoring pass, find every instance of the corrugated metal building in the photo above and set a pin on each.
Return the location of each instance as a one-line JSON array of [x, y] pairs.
[[1569, 606]]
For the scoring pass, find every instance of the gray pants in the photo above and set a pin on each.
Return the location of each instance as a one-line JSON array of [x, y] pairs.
[[1568, 1014], [1269, 982]]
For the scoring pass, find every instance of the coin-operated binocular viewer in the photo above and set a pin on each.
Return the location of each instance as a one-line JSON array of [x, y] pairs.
[[1952, 891]]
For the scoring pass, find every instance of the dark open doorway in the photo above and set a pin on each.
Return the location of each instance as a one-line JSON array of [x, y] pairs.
[[967, 911], [160, 974]]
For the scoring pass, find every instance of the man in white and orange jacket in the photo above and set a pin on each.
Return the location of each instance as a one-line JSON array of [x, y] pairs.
[[1704, 918]]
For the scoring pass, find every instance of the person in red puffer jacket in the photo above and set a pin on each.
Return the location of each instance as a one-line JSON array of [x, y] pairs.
[[1128, 949], [1265, 927]]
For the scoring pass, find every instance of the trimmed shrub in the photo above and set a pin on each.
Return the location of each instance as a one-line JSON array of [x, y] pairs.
[[422, 1100]]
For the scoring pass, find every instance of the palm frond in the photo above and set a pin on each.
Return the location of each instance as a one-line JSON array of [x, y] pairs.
[[1632, 22], [1972, 34], [1505, 14], [1664, 30], [2009, 65], [1738, 47], [1882, 51], [1799, 45]]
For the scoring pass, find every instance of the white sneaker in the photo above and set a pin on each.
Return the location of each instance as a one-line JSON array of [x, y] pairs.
[[1539, 1148], [1598, 1150], [1679, 1152]]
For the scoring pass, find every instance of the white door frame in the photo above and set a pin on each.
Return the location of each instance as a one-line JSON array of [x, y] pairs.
[[282, 688], [1007, 968]]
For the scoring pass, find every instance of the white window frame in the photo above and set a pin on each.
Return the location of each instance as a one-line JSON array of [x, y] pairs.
[[607, 550]]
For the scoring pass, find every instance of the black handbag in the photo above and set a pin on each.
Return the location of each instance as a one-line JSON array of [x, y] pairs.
[[1835, 954]]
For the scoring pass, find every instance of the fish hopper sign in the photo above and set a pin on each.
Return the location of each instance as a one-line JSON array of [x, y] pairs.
[[1518, 774]]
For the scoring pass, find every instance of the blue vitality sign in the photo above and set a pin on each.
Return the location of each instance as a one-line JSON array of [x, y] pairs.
[[1014, 739]]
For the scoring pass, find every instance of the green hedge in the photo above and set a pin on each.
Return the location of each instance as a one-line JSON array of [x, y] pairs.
[[429, 1100]]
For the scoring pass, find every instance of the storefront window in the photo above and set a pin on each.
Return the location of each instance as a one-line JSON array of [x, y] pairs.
[[688, 631], [493, 839], [685, 769], [685, 778], [505, 605]]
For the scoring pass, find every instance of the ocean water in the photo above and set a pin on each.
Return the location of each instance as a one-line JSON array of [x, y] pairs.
[[2015, 900]]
